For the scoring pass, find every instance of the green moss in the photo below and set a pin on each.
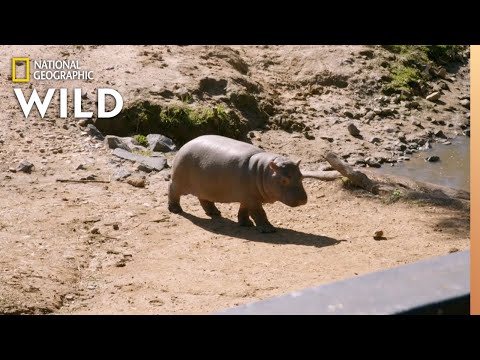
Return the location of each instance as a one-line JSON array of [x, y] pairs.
[[141, 139], [393, 197], [182, 122], [144, 152], [404, 79], [407, 71]]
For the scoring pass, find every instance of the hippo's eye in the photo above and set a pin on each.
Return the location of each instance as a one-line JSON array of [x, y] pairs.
[[285, 180]]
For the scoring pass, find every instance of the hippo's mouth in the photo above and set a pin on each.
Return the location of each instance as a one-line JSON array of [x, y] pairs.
[[297, 202]]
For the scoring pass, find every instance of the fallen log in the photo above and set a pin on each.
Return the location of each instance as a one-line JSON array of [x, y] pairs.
[[384, 184], [356, 177], [322, 175]]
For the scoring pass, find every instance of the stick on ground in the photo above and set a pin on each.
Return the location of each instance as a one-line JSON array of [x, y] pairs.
[[82, 181]]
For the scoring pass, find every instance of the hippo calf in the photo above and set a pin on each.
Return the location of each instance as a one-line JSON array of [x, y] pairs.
[[219, 169]]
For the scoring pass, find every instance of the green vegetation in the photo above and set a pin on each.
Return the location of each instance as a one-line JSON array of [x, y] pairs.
[[144, 152], [141, 139], [393, 197], [182, 122], [408, 71]]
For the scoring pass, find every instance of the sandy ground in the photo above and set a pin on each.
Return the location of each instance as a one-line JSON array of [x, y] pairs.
[[60, 251]]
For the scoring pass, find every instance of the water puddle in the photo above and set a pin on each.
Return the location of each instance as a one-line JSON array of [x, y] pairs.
[[452, 170]]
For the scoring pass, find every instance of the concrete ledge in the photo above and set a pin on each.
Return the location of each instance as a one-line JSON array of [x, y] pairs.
[[435, 286]]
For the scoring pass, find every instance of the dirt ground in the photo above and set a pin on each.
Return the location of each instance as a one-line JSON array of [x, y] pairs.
[[111, 248]]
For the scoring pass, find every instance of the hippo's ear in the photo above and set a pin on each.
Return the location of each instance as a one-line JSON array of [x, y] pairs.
[[272, 165], [298, 162]]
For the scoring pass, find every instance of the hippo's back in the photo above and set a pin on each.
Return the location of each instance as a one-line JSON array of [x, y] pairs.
[[214, 149], [213, 167]]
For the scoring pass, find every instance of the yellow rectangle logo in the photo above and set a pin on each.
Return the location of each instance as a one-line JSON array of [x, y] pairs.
[[14, 69]]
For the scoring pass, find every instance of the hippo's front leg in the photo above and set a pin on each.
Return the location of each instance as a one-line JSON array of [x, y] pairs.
[[261, 220], [243, 216]]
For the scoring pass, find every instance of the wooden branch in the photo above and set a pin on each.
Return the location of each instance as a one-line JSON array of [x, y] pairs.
[[356, 177], [322, 175], [82, 181]]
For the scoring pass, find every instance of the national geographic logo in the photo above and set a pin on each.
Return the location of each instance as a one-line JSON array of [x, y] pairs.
[[59, 70], [48, 70], [17, 63]]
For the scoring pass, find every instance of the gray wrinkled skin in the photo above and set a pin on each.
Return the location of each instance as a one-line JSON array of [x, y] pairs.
[[219, 169]]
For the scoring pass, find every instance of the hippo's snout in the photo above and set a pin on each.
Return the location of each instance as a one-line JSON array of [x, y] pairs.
[[301, 201], [297, 200]]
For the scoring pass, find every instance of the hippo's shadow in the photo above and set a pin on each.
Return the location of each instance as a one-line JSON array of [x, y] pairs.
[[227, 227]]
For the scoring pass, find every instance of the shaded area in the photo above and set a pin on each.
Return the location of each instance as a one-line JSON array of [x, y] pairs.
[[456, 306], [230, 228]]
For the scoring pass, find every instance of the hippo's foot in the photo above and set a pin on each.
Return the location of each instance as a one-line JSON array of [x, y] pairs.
[[175, 208], [210, 208], [245, 222], [266, 228], [213, 212]]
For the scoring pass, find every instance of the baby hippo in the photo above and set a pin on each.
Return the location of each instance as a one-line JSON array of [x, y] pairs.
[[219, 169]]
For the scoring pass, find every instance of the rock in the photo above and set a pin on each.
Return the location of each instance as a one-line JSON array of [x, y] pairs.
[[95, 230], [417, 123], [115, 227], [426, 146], [375, 140], [120, 174], [438, 122], [378, 234], [136, 181], [81, 167], [157, 163], [94, 132], [400, 146], [353, 130], [115, 142], [369, 115], [348, 114], [465, 103], [144, 168], [401, 137], [373, 163], [434, 96], [443, 86], [466, 132], [369, 54], [433, 158], [442, 73], [309, 136], [157, 142], [327, 138], [412, 105], [440, 134], [25, 166], [84, 122]]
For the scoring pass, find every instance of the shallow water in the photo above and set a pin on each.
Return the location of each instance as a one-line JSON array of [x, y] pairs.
[[452, 170]]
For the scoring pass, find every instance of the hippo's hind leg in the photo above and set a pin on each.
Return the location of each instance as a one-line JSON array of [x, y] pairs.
[[209, 207], [243, 216], [261, 220], [174, 199]]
